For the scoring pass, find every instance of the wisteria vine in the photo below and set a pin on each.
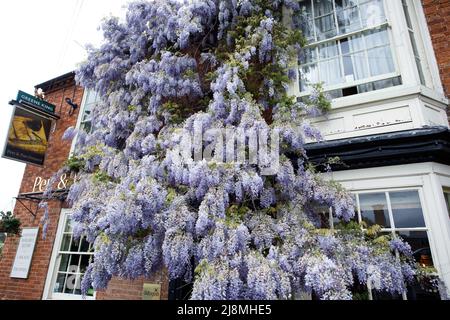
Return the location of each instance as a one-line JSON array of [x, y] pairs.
[[232, 232]]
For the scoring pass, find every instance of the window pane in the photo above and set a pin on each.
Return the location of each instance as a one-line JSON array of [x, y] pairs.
[[348, 18], [85, 259], [308, 55], [414, 44], [380, 84], [86, 126], [64, 262], [420, 246], [380, 61], [75, 245], [330, 71], [376, 38], [84, 247], [70, 283], [328, 50], [91, 97], [408, 18], [355, 43], [372, 12], [59, 284], [420, 70], [325, 27], [355, 67], [383, 295], [306, 20], [2, 238], [374, 209], [323, 7], [406, 209], [86, 115], [68, 227], [74, 262], [78, 284], [65, 246], [447, 201], [309, 75]]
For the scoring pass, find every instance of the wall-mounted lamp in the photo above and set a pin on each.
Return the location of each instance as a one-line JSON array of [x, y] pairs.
[[72, 105]]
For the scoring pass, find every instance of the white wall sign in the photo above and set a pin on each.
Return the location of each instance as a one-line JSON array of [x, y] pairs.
[[24, 253]]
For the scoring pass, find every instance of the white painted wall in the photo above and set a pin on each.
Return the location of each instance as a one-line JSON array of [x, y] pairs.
[[411, 110]]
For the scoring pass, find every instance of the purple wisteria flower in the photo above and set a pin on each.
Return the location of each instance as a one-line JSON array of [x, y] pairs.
[[147, 197]]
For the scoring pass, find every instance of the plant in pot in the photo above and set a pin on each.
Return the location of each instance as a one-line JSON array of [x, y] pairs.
[[8, 223]]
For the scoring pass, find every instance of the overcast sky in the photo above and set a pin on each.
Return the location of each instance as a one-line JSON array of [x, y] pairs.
[[40, 41]]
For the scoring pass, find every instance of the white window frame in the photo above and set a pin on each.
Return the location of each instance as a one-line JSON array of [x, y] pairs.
[[430, 178], [428, 55], [346, 84], [403, 60], [86, 94], [54, 264], [415, 35], [393, 230]]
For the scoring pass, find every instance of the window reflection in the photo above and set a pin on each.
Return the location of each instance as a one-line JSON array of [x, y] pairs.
[[374, 209], [406, 209], [420, 246], [348, 16], [372, 12]]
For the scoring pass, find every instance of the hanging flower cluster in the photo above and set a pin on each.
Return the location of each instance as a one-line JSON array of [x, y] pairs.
[[174, 68]]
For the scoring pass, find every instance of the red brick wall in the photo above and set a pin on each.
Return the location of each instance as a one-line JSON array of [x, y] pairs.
[[437, 13], [33, 287], [119, 289], [58, 150]]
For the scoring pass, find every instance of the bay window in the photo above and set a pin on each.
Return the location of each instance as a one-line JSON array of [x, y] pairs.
[[399, 213], [349, 48]]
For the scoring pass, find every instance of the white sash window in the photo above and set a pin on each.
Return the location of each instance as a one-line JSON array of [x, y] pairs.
[[70, 259], [349, 48]]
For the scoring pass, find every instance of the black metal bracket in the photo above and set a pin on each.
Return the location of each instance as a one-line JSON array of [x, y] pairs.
[[37, 197], [33, 213]]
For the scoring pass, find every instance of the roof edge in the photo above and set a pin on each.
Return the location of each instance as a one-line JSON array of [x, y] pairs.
[[58, 82]]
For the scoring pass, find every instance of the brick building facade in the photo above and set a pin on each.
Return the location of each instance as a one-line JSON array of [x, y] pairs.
[[58, 150], [39, 284], [33, 288], [437, 13]]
